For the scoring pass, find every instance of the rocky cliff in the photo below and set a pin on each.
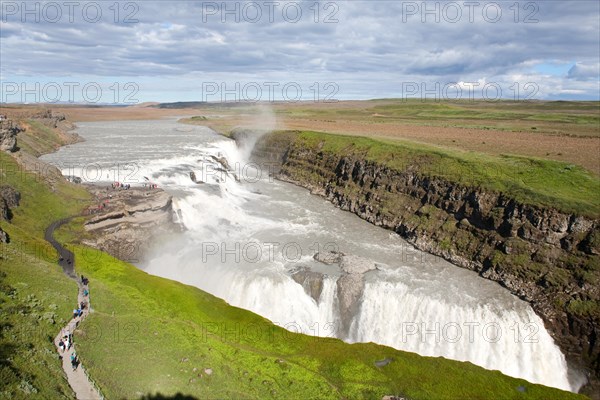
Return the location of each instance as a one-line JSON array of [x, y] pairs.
[[124, 222], [8, 135], [349, 286], [544, 256], [9, 199]]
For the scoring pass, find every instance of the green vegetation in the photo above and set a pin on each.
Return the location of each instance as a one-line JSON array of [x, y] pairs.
[[584, 307], [35, 302], [38, 139], [573, 118], [35, 297], [555, 184]]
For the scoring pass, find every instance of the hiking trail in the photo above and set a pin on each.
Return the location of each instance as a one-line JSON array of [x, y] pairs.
[[78, 379]]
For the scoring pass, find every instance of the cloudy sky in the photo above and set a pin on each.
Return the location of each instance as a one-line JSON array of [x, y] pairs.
[[137, 51]]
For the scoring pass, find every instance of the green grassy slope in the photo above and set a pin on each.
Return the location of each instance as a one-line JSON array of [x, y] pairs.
[[567, 187], [36, 299]]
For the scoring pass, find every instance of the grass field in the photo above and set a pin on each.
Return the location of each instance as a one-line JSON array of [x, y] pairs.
[[555, 118]]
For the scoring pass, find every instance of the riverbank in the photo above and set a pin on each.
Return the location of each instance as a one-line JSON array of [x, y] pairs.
[[497, 221]]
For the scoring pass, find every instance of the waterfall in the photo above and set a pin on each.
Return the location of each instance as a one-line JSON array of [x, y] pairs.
[[401, 306]]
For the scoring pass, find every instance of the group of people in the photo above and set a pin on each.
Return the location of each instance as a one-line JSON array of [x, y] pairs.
[[66, 342], [151, 185], [78, 312], [119, 185]]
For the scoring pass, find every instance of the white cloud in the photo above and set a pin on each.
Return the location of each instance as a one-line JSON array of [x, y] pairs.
[[585, 71]]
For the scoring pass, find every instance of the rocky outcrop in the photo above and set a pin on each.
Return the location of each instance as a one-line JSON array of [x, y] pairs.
[[349, 286], [9, 198], [4, 238], [126, 221], [311, 281], [544, 256], [194, 178], [8, 135], [51, 119]]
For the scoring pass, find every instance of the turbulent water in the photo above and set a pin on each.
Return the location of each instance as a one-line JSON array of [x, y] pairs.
[[244, 238]]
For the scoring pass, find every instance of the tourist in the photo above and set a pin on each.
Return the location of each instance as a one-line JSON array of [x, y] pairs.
[[85, 292], [61, 346], [74, 361]]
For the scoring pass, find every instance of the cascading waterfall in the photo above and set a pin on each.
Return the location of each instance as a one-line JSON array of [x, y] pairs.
[[512, 340], [243, 240]]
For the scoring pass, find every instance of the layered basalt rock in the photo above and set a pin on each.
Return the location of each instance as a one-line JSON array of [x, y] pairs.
[[125, 222]]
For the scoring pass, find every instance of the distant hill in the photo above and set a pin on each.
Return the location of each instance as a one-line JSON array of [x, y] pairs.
[[198, 104]]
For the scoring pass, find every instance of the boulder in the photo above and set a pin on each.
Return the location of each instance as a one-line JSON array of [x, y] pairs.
[[328, 257], [8, 135], [4, 237], [311, 281], [352, 264], [9, 198]]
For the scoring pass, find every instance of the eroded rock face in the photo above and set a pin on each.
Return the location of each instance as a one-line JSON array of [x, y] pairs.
[[349, 290], [311, 281], [51, 119], [349, 286], [9, 198], [8, 135], [126, 221], [3, 238]]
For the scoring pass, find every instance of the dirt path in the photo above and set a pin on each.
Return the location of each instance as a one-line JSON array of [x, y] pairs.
[[78, 380]]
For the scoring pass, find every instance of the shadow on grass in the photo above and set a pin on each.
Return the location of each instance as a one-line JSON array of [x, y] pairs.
[[177, 396]]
